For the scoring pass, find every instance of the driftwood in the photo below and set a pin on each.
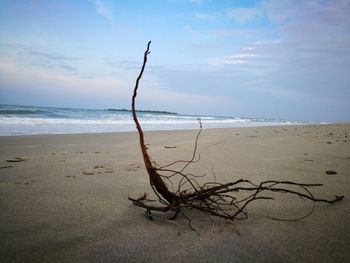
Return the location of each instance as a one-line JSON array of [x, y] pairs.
[[218, 199]]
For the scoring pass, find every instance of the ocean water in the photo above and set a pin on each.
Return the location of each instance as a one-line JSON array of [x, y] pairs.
[[29, 120]]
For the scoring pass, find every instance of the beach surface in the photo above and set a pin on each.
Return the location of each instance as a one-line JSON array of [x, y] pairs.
[[64, 198]]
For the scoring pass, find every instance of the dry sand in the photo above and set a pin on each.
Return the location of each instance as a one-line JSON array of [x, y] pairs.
[[64, 199]]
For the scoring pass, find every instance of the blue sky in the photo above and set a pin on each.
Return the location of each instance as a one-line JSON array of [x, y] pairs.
[[277, 59]]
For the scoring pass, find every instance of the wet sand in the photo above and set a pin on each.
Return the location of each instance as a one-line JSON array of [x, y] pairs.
[[64, 198]]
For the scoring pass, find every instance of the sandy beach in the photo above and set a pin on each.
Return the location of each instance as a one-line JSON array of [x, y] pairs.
[[64, 198]]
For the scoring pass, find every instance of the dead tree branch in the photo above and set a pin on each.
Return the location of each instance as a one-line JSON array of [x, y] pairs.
[[225, 200]]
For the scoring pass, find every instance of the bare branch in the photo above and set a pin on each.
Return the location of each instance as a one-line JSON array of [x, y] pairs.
[[225, 200]]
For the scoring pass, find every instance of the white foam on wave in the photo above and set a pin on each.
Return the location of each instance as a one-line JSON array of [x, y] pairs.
[[114, 121], [27, 125]]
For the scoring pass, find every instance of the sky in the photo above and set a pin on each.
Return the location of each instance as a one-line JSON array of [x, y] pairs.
[[285, 59]]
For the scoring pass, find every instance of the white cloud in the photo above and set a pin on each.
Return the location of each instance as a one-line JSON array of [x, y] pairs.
[[22, 77], [225, 61], [334, 12], [238, 15], [244, 15], [159, 96], [205, 16], [242, 56], [239, 58], [196, 1], [101, 91], [267, 42], [249, 48], [104, 9]]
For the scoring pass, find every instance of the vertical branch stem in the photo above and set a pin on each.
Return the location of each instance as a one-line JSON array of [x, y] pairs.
[[158, 185], [138, 126]]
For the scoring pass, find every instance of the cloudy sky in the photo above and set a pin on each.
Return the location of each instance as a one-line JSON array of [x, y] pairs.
[[277, 59]]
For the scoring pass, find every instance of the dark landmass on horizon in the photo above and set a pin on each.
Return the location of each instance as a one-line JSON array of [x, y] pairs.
[[145, 111]]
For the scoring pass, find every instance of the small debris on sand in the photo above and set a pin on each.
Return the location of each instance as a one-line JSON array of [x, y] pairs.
[[169, 147], [16, 160], [331, 172]]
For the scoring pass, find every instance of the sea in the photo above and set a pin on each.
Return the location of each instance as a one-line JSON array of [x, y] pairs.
[[31, 120]]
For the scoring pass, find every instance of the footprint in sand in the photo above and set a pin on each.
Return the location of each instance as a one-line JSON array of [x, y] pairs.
[[6, 166], [87, 173], [133, 167], [19, 183], [98, 169], [102, 168], [17, 159]]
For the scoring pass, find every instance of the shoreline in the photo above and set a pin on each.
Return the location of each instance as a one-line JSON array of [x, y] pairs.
[[64, 197], [179, 130]]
